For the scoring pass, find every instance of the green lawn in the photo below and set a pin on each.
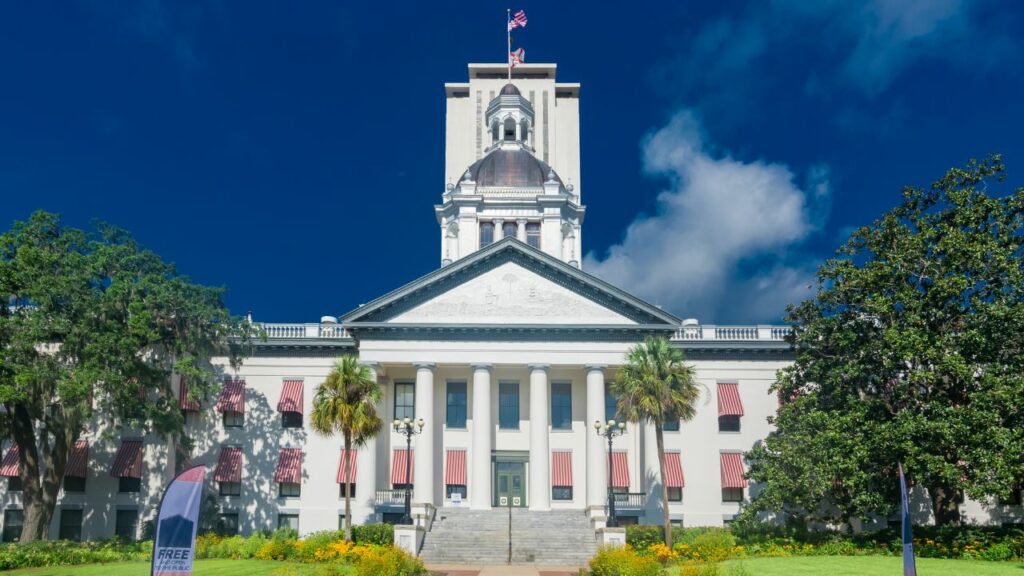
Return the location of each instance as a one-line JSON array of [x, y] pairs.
[[202, 568], [874, 566]]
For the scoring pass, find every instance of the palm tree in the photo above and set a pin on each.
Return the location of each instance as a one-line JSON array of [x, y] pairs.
[[346, 403], [656, 385]]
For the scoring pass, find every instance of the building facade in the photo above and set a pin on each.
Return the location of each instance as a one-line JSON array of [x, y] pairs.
[[506, 353]]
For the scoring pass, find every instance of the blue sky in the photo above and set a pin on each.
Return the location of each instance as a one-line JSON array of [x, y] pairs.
[[727, 147]]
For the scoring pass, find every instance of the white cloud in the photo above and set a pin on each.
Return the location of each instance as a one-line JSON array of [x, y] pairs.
[[720, 246]]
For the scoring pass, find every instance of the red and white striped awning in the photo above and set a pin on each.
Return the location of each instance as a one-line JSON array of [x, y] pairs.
[[128, 462], [620, 470], [350, 477], [183, 400], [729, 403], [561, 469], [232, 396], [673, 470], [289, 466], [455, 468], [291, 397], [732, 470], [78, 460], [9, 467], [229, 465], [398, 466]]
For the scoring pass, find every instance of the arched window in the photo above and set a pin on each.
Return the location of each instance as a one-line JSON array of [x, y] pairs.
[[509, 229], [524, 130], [486, 233], [510, 130], [494, 132]]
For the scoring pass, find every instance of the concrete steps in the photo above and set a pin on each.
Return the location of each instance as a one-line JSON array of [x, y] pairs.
[[461, 536]]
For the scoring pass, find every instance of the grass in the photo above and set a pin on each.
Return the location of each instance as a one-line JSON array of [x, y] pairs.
[[202, 568], [873, 566]]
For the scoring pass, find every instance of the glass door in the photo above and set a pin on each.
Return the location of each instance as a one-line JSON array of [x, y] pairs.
[[510, 484]]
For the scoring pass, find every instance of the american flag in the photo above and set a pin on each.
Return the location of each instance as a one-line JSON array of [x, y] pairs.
[[518, 20], [517, 56]]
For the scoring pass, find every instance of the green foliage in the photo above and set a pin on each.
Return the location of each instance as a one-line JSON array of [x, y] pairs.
[[909, 352], [623, 561], [714, 545], [379, 534], [65, 553], [642, 536]]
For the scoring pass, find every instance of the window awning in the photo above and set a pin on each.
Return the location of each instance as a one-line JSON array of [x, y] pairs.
[[729, 403], [9, 467], [455, 468], [561, 469], [732, 470], [128, 462], [78, 460], [673, 470], [229, 465], [289, 466], [620, 470], [232, 396], [183, 400], [291, 397], [347, 476], [398, 466]]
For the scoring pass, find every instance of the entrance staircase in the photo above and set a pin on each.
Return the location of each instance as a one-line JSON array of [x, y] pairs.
[[555, 538]]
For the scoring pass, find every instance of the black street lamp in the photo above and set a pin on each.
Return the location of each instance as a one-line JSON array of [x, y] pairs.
[[406, 427], [610, 430]]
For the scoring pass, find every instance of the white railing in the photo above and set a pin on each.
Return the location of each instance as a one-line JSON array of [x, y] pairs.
[[309, 330], [761, 333]]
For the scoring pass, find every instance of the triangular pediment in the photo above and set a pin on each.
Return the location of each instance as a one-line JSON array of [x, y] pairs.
[[509, 283]]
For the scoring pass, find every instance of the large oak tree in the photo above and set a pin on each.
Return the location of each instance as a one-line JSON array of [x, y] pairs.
[[910, 351], [93, 325]]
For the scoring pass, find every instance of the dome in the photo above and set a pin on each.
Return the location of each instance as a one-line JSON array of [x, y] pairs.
[[511, 167], [510, 90]]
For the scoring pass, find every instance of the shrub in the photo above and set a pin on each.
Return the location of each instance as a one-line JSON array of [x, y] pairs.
[[65, 553], [997, 552], [379, 534], [623, 561], [642, 536]]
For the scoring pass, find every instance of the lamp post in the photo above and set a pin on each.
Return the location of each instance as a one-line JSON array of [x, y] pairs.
[[610, 430], [406, 427]]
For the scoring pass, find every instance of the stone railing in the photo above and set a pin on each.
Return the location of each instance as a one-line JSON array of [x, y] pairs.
[[308, 330], [391, 498], [630, 501], [705, 332]]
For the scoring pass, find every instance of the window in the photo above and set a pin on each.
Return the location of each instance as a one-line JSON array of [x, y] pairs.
[[126, 525], [401, 486], [510, 129], [456, 416], [405, 400], [233, 419], [533, 234], [128, 484], [341, 521], [1014, 498], [14, 484], [561, 405], [230, 488], [74, 484], [732, 494], [611, 405], [13, 521], [728, 423], [561, 492], [288, 521], [291, 419], [229, 523], [508, 405], [350, 488], [70, 524], [509, 229], [392, 517], [486, 234], [628, 520], [289, 489], [450, 489], [671, 424], [675, 494]]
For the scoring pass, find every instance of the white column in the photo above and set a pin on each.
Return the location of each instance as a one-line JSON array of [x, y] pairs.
[[366, 463], [540, 457], [480, 458], [423, 444], [499, 229], [521, 229], [597, 482]]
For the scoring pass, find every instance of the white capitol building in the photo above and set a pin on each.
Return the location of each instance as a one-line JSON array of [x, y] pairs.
[[505, 351]]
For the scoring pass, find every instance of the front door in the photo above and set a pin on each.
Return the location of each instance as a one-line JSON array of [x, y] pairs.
[[510, 484]]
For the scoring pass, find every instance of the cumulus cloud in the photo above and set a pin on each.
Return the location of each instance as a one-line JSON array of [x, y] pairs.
[[721, 245]]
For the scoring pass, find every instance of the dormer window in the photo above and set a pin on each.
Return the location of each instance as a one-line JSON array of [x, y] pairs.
[[510, 130], [509, 229]]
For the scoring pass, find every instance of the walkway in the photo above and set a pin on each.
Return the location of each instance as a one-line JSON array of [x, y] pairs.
[[502, 570]]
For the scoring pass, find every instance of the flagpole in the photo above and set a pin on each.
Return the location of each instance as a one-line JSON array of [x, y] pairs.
[[508, 36]]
